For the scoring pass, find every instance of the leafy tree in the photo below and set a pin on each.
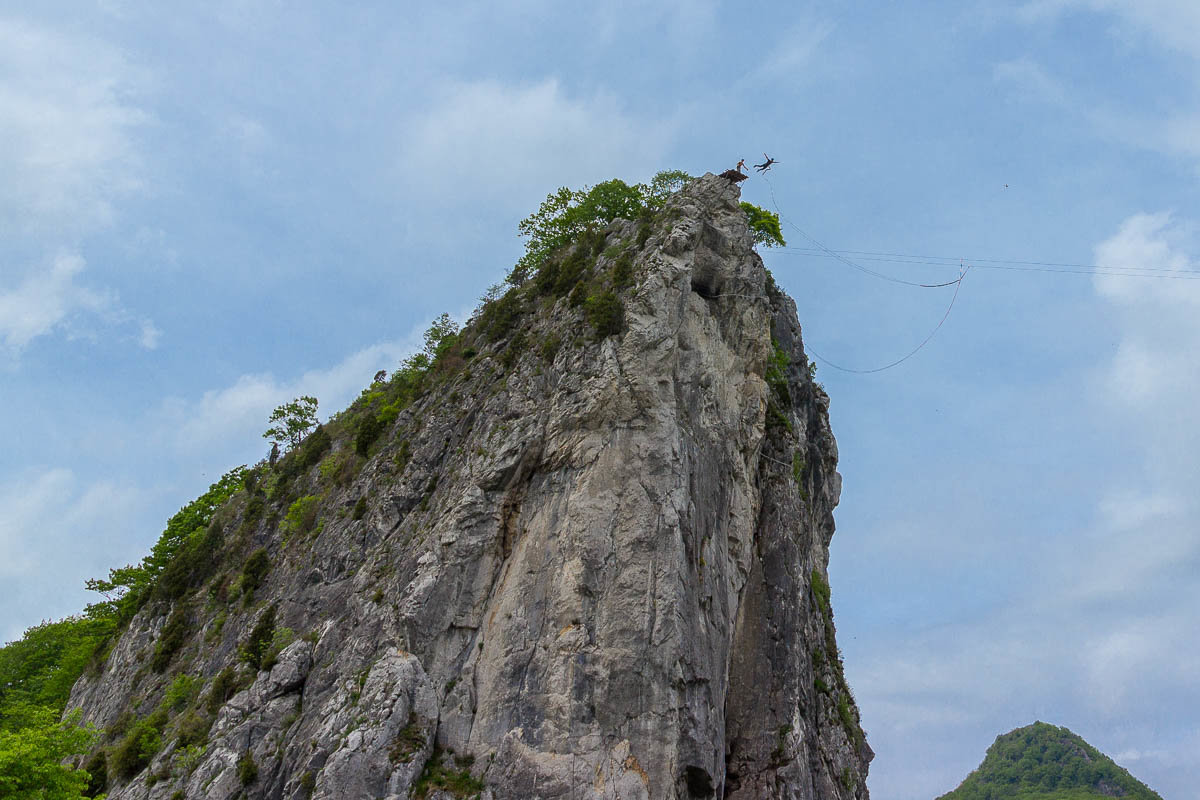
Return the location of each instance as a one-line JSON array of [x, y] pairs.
[[561, 217], [41, 667], [290, 422], [567, 213], [764, 225], [611, 200], [124, 591], [36, 675], [441, 336], [665, 184], [128, 587], [31, 757]]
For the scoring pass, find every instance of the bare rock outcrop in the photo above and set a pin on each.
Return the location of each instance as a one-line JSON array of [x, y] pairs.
[[578, 566]]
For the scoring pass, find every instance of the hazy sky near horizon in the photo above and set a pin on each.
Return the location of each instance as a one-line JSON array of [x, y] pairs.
[[208, 209]]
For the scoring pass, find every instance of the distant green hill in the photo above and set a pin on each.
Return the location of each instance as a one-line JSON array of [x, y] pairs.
[[1043, 762]]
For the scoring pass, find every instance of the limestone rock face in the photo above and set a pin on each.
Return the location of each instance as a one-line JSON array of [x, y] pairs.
[[585, 568]]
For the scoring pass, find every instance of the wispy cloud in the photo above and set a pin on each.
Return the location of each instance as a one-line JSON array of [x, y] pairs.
[[66, 148], [485, 138], [46, 299], [231, 419], [1177, 134], [1149, 388], [67, 159], [1153, 375], [53, 297], [1174, 23], [45, 513]]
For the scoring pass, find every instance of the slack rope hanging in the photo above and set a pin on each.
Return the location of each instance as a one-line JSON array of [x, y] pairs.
[[957, 284], [898, 361]]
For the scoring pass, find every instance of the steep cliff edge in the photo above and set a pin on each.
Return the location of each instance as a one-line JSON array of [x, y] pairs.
[[584, 563]]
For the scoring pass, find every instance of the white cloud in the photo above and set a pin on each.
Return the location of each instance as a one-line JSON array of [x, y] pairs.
[[67, 157], [1133, 755], [249, 143], [23, 510], [232, 419], [44, 300], [52, 298], [1146, 396], [45, 514], [249, 134], [1127, 510], [66, 152], [149, 336], [1174, 133], [484, 138], [1113, 660], [1150, 241], [1152, 381], [245, 16]]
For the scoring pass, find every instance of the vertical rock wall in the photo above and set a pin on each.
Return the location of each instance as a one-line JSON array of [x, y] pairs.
[[597, 572]]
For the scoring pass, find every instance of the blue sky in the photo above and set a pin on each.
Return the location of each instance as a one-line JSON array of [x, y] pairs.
[[207, 211]]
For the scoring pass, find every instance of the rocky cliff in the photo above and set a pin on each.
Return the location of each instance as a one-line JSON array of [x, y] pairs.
[[584, 562]]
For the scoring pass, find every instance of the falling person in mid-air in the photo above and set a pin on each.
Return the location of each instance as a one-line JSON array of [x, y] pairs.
[[766, 165]]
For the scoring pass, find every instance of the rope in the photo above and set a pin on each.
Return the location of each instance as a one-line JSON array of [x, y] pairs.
[[843, 259], [1011, 265], [957, 284], [916, 350]]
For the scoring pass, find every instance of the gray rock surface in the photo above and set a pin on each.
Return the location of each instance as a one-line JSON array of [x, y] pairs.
[[598, 571]]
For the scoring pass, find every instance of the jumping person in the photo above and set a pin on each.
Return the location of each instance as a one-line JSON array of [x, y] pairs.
[[763, 167]]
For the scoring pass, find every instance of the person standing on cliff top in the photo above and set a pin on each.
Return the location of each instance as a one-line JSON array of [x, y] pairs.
[[741, 167]]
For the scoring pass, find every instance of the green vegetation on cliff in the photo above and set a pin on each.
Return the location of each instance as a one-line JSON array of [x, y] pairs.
[[566, 214], [207, 565], [1045, 762], [36, 675], [183, 548]]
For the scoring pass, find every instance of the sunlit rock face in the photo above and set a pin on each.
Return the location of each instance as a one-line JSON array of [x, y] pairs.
[[577, 566]]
